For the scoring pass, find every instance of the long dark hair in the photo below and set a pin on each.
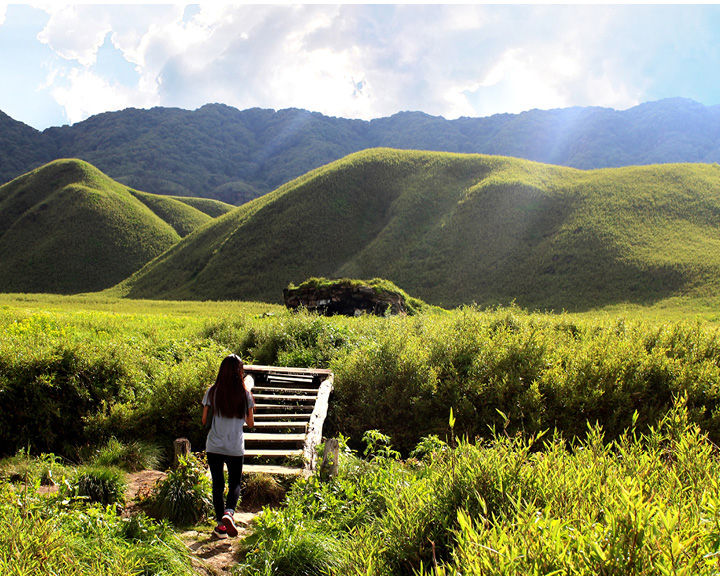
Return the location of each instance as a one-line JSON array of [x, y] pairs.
[[228, 395]]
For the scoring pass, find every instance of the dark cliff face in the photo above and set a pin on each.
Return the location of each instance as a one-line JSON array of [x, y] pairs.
[[345, 299]]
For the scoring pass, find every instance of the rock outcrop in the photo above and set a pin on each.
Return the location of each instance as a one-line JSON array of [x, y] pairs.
[[350, 298]]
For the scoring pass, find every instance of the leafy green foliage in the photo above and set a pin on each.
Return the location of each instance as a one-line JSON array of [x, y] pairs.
[[453, 229], [43, 470], [131, 456], [66, 227], [183, 496], [642, 504], [84, 377], [102, 484], [44, 535], [236, 156], [290, 547], [81, 377]]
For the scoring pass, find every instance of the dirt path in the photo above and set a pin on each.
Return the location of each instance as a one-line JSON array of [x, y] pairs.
[[217, 557], [211, 556]]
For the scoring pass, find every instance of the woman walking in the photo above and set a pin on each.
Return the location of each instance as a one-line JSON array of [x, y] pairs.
[[230, 405]]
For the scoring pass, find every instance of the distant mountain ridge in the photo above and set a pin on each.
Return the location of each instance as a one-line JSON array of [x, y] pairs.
[[461, 228], [220, 152]]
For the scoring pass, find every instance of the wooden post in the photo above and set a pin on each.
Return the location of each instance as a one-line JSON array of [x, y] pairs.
[[314, 431], [329, 465], [182, 448]]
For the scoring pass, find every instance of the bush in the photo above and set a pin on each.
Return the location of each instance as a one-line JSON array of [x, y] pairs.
[[45, 536], [183, 496], [641, 504], [101, 484], [132, 456], [45, 469], [282, 546], [262, 490]]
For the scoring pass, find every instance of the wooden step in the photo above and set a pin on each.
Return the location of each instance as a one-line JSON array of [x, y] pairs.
[[273, 453], [277, 424], [262, 389], [287, 370], [277, 416], [293, 377], [293, 397], [271, 469], [274, 438], [264, 406]]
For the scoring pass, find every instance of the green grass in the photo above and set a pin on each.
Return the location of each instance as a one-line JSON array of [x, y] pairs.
[[47, 535], [99, 484], [455, 229], [643, 504], [639, 497], [138, 373], [131, 456], [66, 227]]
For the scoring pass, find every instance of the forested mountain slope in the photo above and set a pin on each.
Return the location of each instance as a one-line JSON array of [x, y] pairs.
[[221, 152]]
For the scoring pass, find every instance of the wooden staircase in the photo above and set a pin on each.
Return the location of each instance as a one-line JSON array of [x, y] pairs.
[[290, 408]]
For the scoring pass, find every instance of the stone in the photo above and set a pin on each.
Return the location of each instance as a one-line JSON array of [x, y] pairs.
[[344, 297]]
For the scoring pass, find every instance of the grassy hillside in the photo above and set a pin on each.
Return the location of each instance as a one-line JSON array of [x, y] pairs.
[[66, 227], [455, 229]]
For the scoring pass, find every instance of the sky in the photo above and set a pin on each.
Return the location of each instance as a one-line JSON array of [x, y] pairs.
[[61, 63]]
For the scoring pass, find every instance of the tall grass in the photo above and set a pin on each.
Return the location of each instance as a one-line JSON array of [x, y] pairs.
[[45, 536], [642, 504], [139, 376]]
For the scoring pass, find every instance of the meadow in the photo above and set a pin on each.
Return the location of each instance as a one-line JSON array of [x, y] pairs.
[[582, 443]]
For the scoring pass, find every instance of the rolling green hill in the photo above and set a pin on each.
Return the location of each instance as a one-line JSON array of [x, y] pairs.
[[454, 229], [66, 227]]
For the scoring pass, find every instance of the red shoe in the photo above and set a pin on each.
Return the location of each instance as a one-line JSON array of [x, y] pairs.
[[229, 524], [220, 531]]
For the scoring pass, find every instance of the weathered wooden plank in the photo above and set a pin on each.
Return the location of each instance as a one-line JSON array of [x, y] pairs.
[[278, 424], [274, 453], [278, 416], [299, 379], [271, 469], [314, 433], [296, 397], [281, 389], [286, 370], [273, 437], [262, 406]]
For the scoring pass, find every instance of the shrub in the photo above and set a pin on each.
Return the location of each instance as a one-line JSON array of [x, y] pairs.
[[280, 546], [132, 456], [428, 446], [183, 496], [45, 536], [101, 484], [45, 469], [261, 490]]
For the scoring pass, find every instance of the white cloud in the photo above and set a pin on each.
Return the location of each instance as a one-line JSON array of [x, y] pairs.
[[83, 94], [76, 34], [3, 12], [352, 60]]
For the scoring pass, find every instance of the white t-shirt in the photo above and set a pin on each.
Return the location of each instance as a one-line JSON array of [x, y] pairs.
[[226, 434]]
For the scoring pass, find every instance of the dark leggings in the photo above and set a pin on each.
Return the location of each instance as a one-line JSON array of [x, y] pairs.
[[234, 466]]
